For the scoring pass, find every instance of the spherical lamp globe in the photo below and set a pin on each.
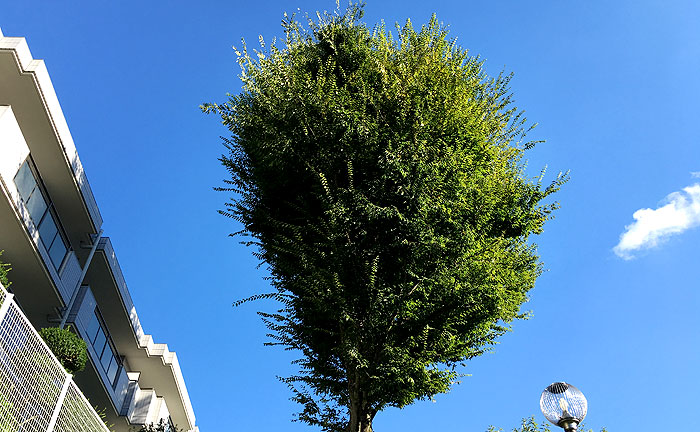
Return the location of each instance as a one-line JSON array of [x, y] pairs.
[[564, 405]]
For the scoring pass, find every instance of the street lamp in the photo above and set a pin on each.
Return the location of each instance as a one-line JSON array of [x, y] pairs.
[[564, 405]]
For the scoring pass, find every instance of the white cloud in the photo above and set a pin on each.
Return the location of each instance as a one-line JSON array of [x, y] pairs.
[[680, 212], [695, 174]]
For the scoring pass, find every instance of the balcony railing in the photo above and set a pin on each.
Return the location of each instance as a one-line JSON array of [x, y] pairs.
[[70, 276], [36, 393]]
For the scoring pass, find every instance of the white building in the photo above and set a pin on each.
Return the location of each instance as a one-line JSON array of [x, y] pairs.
[[50, 233]]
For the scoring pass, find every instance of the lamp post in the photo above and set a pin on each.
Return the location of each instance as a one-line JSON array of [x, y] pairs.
[[564, 405]]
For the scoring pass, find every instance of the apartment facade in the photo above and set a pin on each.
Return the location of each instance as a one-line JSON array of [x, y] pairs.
[[64, 269]]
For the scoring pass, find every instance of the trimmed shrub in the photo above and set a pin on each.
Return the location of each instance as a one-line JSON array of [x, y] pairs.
[[70, 350]]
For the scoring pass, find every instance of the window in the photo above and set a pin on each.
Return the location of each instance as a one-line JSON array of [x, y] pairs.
[[98, 336], [42, 213]]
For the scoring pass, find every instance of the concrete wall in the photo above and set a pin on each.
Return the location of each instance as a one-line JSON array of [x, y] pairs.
[[14, 148]]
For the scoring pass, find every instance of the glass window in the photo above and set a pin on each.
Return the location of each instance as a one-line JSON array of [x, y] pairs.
[[47, 231], [99, 343], [112, 371], [58, 251], [25, 181], [29, 192], [92, 329], [36, 204], [104, 348], [42, 214], [107, 358], [52, 240]]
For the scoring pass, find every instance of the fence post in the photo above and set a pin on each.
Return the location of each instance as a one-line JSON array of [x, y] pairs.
[[59, 403]]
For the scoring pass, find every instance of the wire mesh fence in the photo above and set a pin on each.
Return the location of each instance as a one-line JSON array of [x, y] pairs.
[[36, 393], [77, 415]]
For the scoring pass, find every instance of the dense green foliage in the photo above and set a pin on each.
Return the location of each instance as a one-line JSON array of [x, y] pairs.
[[4, 269], [8, 422], [530, 425], [161, 426], [68, 348], [382, 182]]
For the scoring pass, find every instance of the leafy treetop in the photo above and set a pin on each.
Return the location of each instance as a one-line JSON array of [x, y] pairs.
[[381, 180]]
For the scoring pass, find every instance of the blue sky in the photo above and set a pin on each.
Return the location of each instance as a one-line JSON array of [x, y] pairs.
[[614, 87]]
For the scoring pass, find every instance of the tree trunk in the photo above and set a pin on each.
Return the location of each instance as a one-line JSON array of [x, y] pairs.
[[360, 416], [359, 421]]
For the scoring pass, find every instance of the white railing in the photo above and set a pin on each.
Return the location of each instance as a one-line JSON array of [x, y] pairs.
[[36, 393]]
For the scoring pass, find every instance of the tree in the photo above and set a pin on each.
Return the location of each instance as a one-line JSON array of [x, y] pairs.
[[381, 181]]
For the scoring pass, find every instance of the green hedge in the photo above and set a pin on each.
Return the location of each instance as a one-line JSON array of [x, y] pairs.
[[70, 350]]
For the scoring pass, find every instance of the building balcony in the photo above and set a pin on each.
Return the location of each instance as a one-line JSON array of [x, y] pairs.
[[107, 297], [36, 393], [48, 214]]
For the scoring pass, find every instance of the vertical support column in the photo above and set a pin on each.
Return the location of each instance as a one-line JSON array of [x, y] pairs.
[[5, 306], [59, 403]]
